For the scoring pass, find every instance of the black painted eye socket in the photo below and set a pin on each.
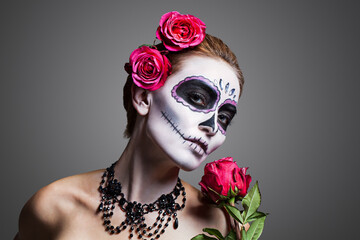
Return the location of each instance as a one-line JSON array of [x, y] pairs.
[[197, 99], [226, 114], [198, 94]]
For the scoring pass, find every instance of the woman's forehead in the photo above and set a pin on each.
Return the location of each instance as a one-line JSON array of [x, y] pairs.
[[214, 70]]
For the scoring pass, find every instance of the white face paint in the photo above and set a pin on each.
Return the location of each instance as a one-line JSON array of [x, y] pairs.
[[189, 115]]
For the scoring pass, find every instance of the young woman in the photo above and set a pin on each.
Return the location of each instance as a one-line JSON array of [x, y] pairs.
[[180, 98]]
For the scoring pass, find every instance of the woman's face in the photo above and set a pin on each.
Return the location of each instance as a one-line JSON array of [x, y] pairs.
[[189, 116]]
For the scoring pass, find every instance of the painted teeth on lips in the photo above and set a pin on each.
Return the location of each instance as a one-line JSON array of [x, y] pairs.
[[198, 144]]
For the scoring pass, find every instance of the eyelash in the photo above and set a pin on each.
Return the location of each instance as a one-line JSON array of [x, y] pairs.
[[228, 118], [196, 95]]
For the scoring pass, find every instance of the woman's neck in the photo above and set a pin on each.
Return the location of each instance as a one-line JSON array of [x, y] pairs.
[[144, 170]]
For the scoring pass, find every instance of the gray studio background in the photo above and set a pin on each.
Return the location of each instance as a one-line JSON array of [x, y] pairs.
[[297, 128]]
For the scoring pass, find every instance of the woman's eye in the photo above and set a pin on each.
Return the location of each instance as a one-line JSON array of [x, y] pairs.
[[198, 99], [198, 95], [226, 114], [224, 119]]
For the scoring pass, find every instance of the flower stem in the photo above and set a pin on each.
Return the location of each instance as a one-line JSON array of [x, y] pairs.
[[235, 223]]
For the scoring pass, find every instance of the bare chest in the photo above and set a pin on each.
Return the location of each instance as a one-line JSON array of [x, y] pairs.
[[89, 225]]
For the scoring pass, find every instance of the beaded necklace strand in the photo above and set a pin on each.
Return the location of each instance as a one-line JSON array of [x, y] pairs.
[[166, 206]]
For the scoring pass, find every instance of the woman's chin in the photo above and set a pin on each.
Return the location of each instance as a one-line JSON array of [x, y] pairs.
[[189, 162]]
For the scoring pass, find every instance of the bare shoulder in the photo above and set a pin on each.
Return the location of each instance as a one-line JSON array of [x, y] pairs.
[[43, 215], [203, 211]]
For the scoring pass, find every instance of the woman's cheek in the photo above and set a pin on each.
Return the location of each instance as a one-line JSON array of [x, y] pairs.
[[216, 142]]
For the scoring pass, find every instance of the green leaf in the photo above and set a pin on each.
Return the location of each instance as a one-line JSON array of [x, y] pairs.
[[231, 201], [256, 215], [203, 237], [251, 201], [231, 235], [235, 213], [214, 232], [147, 45], [243, 214], [255, 229]]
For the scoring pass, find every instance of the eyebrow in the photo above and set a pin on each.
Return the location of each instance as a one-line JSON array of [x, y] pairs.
[[201, 81], [229, 107], [204, 85]]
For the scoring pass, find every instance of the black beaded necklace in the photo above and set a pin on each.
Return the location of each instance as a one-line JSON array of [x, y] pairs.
[[165, 205]]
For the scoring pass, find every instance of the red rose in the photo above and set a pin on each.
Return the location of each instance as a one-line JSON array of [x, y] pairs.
[[178, 31], [148, 68], [221, 175]]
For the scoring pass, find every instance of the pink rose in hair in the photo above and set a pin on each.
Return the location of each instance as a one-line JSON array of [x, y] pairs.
[[222, 175], [178, 31], [148, 68]]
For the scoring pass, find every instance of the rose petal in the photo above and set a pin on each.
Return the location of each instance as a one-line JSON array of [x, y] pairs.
[[222, 174], [178, 31]]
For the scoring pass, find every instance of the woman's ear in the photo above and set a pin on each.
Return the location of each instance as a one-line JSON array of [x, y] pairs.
[[140, 100]]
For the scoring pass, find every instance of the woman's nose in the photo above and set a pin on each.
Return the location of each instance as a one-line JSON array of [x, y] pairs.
[[209, 126]]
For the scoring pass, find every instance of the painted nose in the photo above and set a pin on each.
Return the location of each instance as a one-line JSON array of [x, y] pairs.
[[209, 125]]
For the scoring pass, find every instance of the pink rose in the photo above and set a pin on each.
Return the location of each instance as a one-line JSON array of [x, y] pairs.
[[148, 67], [178, 31], [221, 175]]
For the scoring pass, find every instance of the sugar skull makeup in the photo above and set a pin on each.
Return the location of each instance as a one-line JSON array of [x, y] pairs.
[[202, 95], [190, 114]]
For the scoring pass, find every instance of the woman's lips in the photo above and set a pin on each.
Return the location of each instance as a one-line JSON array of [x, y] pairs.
[[200, 144]]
